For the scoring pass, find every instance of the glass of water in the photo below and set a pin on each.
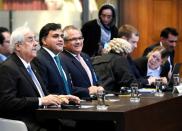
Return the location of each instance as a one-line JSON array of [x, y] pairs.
[[134, 92], [158, 87], [176, 79], [101, 100]]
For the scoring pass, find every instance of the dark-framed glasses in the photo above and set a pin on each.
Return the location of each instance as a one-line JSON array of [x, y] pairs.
[[75, 39]]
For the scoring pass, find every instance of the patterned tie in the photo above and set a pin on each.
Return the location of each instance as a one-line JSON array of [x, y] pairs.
[[85, 66], [36, 82], [60, 68]]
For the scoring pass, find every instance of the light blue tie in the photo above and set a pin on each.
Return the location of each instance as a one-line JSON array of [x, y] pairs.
[[36, 82], [60, 68]]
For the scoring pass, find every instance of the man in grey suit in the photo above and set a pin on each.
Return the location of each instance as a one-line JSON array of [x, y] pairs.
[[21, 89]]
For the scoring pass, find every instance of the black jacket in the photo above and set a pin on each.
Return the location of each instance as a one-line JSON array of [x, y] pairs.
[[92, 33], [141, 63], [113, 71]]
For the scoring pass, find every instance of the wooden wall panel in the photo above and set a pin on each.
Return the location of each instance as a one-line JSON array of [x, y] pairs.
[[161, 16], [150, 17], [179, 27]]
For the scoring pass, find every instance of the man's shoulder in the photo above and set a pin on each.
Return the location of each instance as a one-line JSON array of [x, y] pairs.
[[10, 64], [92, 23], [42, 54], [66, 55], [105, 58], [154, 45]]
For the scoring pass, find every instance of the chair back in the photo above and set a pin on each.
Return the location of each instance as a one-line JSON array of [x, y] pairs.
[[12, 125]]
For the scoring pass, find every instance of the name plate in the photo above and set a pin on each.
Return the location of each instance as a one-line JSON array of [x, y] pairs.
[[177, 89]]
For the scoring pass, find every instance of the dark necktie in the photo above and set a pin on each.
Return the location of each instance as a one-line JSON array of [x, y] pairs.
[[60, 68], [35, 80]]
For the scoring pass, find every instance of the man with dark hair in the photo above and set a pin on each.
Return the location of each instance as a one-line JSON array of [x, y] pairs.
[[4, 43], [168, 39], [48, 61], [98, 32], [51, 66]]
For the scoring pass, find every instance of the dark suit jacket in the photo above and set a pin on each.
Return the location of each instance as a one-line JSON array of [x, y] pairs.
[[171, 54], [113, 71], [135, 71], [50, 73], [92, 33], [18, 94], [141, 63], [79, 77]]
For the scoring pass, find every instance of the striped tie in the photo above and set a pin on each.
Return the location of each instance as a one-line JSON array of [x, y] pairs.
[[35, 80]]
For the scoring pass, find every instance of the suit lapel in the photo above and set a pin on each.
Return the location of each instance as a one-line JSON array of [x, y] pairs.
[[39, 79], [49, 59], [94, 77], [24, 71], [51, 62], [76, 63]]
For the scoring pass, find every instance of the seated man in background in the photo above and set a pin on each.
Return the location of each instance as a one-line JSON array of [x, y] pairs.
[[152, 65], [131, 34], [21, 88], [78, 64], [4, 43], [168, 39]]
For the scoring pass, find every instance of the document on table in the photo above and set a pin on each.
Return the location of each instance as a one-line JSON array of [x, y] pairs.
[[147, 90]]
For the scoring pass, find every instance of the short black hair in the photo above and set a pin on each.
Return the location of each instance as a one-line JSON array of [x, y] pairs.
[[2, 30], [168, 30], [45, 30]]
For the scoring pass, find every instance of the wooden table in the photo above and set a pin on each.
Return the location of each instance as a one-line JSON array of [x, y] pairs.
[[150, 114]]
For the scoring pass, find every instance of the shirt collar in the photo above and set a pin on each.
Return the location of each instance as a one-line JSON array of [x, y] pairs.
[[24, 63], [50, 52]]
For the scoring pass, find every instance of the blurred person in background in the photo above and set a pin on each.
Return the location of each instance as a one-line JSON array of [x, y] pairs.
[[168, 40], [152, 65], [4, 43], [131, 34], [98, 32]]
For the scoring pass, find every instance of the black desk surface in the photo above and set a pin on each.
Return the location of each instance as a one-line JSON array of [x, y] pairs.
[[150, 114]]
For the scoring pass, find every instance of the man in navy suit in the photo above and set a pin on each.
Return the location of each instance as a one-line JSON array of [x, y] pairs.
[[51, 41], [21, 88], [78, 64]]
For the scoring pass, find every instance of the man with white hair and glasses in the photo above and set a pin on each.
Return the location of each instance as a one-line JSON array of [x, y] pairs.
[[22, 90]]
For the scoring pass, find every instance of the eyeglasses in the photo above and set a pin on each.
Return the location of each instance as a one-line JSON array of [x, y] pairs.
[[74, 39], [172, 41], [31, 39]]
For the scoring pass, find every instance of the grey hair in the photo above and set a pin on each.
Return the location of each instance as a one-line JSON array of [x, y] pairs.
[[119, 45], [69, 27], [17, 36]]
